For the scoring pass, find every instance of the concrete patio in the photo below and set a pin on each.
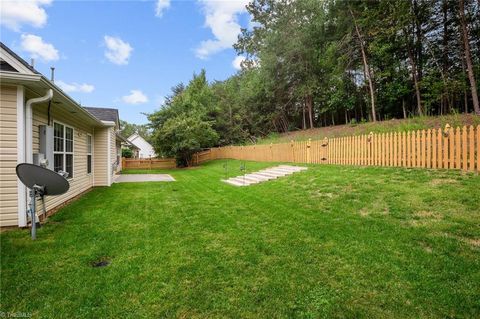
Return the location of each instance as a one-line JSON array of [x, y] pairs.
[[139, 178]]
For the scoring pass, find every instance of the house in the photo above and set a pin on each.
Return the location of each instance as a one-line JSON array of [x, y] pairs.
[[38, 119], [146, 149], [134, 148], [111, 115]]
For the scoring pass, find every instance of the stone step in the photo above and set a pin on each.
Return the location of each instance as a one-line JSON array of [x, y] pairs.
[[293, 168], [249, 178], [280, 171], [268, 175], [264, 175], [240, 179], [285, 169], [274, 172], [258, 176], [234, 183]]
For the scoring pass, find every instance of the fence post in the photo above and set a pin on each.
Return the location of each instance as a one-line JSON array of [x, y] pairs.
[[309, 145]]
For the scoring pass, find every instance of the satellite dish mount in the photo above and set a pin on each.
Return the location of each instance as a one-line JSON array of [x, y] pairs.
[[41, 182]]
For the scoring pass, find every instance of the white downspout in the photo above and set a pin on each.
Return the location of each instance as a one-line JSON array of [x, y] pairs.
[[109, 157], [29, 124]]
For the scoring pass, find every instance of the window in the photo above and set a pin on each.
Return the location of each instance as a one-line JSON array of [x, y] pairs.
[[89, 154], [63, 148]]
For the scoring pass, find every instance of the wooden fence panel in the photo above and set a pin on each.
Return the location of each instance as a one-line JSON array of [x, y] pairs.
[[166, 163], [449, 148], [478, 149], [471, 142]]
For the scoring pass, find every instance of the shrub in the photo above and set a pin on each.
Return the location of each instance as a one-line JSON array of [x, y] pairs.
[[127, 153]]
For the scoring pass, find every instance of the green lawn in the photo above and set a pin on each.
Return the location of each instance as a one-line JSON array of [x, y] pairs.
[[329, 242]]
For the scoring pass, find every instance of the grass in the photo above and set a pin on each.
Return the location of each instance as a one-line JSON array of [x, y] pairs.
[[331, 242], [395, 125]]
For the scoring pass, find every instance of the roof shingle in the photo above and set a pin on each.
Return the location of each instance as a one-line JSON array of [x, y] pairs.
[[103, 113]]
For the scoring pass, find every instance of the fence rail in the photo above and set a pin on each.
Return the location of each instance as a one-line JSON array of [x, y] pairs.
[[448, 148], [163, 163], [201, 157]]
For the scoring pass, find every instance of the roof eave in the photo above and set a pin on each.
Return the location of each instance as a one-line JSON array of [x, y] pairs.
[[15, 78], [70, 100]]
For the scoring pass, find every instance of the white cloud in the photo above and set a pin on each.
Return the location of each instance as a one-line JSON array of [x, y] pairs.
[[135, 97], [37, 48], [222, 19], [237, 62], [13, 14], [118, 51], [75, 87], [161, 6]]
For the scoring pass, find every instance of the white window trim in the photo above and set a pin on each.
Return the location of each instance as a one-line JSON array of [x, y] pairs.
[[91, 154], [64, 147]]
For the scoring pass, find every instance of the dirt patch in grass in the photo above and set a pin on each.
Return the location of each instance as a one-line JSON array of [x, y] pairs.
[[376, 210], [320, 194], [428, 215], [427, 248], [443, 181], [100, 262], [475, 242], [424, 218]]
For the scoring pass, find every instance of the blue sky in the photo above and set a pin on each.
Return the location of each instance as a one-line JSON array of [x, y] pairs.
[[125, 54]]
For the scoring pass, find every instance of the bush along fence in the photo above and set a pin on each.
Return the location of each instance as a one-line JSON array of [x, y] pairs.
[[448, 148], [154, 163]]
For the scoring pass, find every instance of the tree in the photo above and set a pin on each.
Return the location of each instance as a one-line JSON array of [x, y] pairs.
[[127, 153], [311, 63], [468, 58], [184, 135], [366, 67], [127, 129]]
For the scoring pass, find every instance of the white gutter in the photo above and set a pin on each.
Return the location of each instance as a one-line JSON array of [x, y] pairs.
[[29, 123]]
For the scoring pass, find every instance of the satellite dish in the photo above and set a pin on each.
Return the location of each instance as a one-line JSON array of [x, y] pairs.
[[31, 175], [41, 182]]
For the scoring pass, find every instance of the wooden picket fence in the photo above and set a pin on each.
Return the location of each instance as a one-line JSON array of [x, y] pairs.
[[154, 163], [201, 157], [446, 148]]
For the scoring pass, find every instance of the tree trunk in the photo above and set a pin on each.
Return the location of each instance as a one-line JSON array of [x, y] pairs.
[[303, 116], [309, 103], [366, 67], [418, 43], [465, 100], [403, 108], [415, 81], [464, 76], [445, 99], [468, 58]]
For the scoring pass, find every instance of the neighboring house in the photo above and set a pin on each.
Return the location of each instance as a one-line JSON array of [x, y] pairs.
[[37, 117], [135, 149], [146, 149]]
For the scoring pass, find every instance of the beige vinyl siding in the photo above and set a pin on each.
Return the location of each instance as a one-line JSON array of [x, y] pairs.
[[8, 156], [81, 181], [113, 150], [100, 156]]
